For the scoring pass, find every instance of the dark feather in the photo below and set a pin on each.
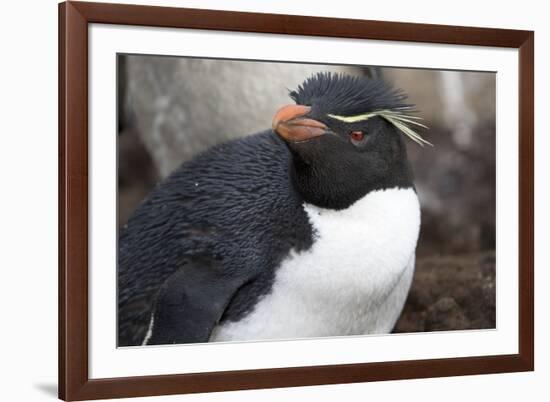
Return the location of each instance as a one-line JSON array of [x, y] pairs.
[[333, 93], [233, 205]]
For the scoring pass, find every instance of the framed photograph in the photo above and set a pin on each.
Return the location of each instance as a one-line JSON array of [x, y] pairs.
[[260, 200]]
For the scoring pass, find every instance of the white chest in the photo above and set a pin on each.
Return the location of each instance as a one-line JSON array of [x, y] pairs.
[[353, 280]]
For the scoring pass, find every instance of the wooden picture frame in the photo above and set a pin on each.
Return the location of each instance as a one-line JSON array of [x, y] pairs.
[[74, 381]]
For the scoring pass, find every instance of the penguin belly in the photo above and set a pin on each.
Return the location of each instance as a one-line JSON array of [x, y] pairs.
[[352, 281]]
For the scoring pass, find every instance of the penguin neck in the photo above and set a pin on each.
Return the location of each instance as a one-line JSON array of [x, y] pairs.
[[330, 186]]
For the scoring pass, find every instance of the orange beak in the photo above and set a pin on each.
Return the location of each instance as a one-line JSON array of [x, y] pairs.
[[289, 124]]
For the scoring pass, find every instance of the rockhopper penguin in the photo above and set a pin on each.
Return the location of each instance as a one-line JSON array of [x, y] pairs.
[[308, 229]]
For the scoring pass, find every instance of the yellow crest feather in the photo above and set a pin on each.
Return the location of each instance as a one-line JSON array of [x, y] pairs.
[[401, 121]]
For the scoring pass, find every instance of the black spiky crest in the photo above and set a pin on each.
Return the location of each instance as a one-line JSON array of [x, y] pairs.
[[348, 95], [350, 99]]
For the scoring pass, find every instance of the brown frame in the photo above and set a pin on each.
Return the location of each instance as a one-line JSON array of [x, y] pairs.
[[74, 17]]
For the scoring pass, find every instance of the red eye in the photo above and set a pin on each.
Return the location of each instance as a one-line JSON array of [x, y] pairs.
[[357, 135]]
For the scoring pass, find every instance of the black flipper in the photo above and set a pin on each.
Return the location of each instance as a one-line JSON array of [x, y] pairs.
[[212, 233], [191, 302]]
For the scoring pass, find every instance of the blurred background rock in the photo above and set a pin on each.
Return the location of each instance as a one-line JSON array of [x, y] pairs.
[[171, 108]]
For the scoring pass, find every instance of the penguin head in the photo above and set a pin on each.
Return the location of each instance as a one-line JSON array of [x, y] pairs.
[[346, 137]]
